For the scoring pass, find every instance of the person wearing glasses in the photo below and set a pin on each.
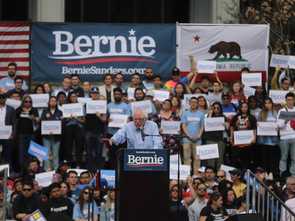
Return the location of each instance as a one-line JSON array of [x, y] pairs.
[[177, 211], [199, 203], [139, 133], [85, 208], [25, 203], [26, 123]]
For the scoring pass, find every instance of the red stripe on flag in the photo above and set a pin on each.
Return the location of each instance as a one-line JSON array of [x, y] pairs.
[[15, 33], [15, 42], [13, 24], [13, 50], [18, 68], [14, 59]]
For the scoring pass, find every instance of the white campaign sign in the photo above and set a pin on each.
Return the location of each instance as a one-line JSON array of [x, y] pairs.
[[208, 67], [184, 171], [174, 159], [243, 137], [206, 152], [118, 120], [84, 100], [249, 91], [226, 169], [5, 132], [13, 103], [130, 93], [145, 106], [267, 129], [278, 96], [280, 60], [214, 124], [231, 46], [51, 127], [75, 110], [170, 127], [40, 100], [44, 179], [97, 106], [161, 95], [252, 79]]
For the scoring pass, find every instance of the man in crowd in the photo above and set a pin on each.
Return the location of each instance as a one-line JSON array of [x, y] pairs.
[[7, 83], [199, 203], [18, 87], [66, 86], [139, 133], [119, 81], [75, 79], [149, 76]]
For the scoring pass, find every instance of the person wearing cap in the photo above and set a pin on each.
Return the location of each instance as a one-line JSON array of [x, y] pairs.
[[52, 142], [107, 88], [7, 118], [239, 186], [95, 125], [176, 78], [57, 207]]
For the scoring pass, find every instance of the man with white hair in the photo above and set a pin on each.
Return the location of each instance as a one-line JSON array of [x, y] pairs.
[[139, 133]]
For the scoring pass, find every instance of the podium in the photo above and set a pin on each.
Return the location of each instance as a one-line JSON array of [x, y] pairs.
[[142, 181]]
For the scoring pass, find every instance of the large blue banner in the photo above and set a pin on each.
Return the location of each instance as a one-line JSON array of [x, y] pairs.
[[92, 50]]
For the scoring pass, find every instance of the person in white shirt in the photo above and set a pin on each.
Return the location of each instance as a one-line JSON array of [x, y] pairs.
[[287, 134]]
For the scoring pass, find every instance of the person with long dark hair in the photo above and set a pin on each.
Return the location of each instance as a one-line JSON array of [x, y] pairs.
[[214, 210], [268, 145], [85, 208], [213, 137], [26, 123], [242, 154], [73, 134], [52, 142]]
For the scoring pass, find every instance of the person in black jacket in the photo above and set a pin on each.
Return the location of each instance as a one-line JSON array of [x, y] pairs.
[[57, 207], [7, 118], [26, 203], [52, 113]]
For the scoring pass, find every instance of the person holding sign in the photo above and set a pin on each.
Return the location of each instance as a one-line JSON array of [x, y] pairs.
[[7, 120], [73, 133], [268, 145], [52, 142], [287, 134], [26, 123], [237, 93], [243, 120], [216, 136], [95, 125], [192, 122], [279, 80]]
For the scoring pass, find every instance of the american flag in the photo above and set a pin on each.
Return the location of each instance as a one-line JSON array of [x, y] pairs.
[[15, 47]]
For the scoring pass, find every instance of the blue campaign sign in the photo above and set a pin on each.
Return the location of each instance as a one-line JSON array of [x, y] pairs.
[[92, 50], [107, 178], [38, 151], [146, 160]]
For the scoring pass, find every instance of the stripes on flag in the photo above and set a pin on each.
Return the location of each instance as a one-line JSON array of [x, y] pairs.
[[15, 47]]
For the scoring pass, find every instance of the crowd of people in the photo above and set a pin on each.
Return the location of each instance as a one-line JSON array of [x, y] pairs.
[[88, 142]]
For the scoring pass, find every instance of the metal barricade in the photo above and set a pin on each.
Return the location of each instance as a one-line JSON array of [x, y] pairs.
[[264, 202]]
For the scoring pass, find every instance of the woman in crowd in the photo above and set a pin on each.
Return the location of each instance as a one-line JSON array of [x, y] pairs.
[[52, 142], [237, 93], [39, 89], [64, 189], [253, 106], [213, 137], [180, 90], [73, 134], [268, 145], [47, 88], [176, 106], [214, 210], [230, 202], [202, 104], [260, 95], [26, 123], [242, 154], [108, 208], [85, 209]]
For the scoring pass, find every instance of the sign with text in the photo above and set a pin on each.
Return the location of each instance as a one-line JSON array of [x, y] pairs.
[[287, 115], [170, 127], [206, 152], [109, 177], [282, 60], [214, 124], [5, 132], [267, 129], [13, 103], [92, 50], [161, 95], [278, 96], [72, 110], [44, 179], [118, 120], [51, 127], [145, 106], [243, 137], [184, 172], [99, 106], [146, 160], [252, 79], [40, 100], [38, 151], [208, 67]]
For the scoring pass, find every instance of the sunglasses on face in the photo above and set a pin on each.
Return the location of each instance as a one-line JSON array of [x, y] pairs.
[[28, 101]]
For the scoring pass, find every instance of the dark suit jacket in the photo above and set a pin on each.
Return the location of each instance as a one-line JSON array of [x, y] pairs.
[[10, 117]]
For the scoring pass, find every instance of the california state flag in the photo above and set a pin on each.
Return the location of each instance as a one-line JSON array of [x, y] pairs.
[[233, 47]]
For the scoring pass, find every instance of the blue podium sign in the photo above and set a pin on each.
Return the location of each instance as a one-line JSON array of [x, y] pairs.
[[146, 160]]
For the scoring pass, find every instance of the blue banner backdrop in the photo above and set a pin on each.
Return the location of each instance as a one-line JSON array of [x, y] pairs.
[[92, 50]]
